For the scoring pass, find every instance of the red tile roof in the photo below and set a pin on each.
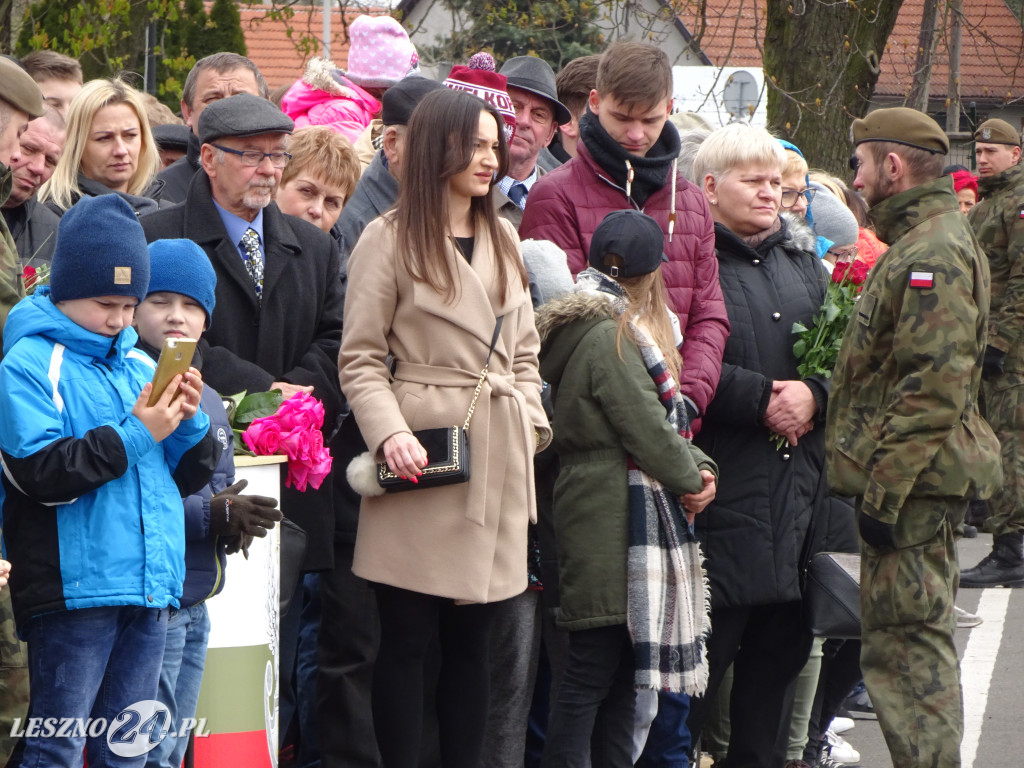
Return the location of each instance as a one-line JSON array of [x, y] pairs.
[[992, 49], [282, 58]]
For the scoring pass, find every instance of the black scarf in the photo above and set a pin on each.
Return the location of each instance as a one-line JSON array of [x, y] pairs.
[[650, 171]]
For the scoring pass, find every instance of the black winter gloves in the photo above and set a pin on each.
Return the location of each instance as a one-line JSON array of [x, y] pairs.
[[992, 366], [232, 514]]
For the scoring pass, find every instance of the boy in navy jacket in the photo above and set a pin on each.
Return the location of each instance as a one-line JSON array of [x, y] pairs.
[[218, 521]]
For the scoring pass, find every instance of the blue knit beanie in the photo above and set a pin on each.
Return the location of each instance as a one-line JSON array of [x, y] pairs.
[[100, 251], [181, 266]]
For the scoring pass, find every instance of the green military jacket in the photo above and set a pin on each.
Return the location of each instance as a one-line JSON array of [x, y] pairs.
[[903, 414], [12, 289], [998, 222]]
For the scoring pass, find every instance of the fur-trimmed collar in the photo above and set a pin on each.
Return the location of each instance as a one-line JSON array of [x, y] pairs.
[[571, 308], [800, 233]]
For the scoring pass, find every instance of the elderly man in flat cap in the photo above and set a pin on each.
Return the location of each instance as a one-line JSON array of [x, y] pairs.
[[904, 435], [998, 221], [20, 101], [279, 291]]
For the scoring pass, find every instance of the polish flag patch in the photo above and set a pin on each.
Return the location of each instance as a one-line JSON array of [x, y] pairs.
[[922, 279]]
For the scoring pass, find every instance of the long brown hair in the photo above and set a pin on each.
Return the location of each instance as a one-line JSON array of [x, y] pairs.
[[647, 306], [440, 143]]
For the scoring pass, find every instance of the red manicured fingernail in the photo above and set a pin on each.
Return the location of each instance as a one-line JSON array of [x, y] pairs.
[[415, 479]]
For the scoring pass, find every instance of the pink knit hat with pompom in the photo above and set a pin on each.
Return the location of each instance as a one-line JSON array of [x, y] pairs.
[[480, 79]]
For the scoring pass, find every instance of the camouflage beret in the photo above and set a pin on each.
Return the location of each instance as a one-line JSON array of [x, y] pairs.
[[997, 131], [901, 125], [19, 90]]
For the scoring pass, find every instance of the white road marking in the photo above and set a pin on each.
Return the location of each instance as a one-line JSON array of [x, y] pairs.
[[977, 666]]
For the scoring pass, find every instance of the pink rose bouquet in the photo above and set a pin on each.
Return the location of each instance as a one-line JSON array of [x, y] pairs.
[[294, 431]]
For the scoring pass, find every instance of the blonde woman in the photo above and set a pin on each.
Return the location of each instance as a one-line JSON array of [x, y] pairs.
[[319, 178], [109, 148], [755, 533]]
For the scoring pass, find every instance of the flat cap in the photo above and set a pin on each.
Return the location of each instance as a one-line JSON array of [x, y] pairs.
[[242, 115], [399, 101], [901, 125], [171, 136], [996, 131], [19, 90]]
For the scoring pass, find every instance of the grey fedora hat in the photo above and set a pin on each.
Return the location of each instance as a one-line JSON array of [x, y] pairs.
[[536, 76]]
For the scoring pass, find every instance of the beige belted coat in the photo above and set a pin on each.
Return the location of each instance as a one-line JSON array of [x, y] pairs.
[[465, 541]]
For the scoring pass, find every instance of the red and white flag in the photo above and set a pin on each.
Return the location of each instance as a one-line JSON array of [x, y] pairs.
[[922, 279]]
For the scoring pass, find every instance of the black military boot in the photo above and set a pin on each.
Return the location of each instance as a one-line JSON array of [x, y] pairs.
[[1002, 567]]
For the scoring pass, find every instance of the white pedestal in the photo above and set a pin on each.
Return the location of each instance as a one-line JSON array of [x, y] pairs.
[[239, 694]]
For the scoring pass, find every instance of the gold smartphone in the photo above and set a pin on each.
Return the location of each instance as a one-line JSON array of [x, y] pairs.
[[175, 358]]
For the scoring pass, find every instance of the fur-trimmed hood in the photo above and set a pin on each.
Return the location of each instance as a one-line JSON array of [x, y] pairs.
[[320, 74], [571, 308]]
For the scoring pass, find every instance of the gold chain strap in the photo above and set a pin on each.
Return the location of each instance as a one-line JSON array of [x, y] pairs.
[[476, 396], [483, 373]]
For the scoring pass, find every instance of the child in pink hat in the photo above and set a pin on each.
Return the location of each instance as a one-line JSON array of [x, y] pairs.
[[380, 54]]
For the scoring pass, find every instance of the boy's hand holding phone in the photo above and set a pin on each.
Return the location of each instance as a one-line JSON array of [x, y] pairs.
[[179, 400]]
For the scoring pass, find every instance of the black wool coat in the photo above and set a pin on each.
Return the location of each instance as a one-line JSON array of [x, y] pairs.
[[755, 534], [295, 336]]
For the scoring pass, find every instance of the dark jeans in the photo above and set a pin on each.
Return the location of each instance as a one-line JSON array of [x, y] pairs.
[[92, 662], [768, 646], [598, 682], [668, 741], [408, 623]]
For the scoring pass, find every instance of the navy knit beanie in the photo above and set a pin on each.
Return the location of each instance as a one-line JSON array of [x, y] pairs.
[[181, 266], [100, 251]]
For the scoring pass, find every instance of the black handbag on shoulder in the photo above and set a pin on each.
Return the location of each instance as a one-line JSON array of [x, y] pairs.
[[447, 447]]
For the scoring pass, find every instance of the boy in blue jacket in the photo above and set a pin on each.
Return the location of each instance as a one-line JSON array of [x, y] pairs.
[[218, 521], [93, 479]]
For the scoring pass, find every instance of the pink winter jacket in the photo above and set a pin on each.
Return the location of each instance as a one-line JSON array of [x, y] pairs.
[[566, 205], [347, 112]]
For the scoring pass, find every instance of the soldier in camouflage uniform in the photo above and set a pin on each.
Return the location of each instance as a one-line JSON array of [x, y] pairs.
[[998, 221], [904, 435], [20, 101]]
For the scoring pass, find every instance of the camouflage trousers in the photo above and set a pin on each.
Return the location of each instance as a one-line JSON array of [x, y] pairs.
[[908, 657], [13, 677], [1002, 405]]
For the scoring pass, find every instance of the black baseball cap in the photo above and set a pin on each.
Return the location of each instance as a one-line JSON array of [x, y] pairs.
[[634, 237]]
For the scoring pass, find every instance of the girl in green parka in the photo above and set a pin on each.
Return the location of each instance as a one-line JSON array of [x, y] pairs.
[[632, 590]]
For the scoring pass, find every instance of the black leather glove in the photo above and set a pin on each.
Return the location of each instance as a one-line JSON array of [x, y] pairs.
[[231, 513], [876, 533], [992, 366]]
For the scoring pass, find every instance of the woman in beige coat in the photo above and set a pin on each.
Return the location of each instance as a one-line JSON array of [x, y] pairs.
[[427, 282]]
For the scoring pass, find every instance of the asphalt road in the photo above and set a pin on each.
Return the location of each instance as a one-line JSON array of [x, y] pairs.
[[992, 675]]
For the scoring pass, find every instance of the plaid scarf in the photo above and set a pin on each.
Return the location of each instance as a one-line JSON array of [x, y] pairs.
[[668, 603]]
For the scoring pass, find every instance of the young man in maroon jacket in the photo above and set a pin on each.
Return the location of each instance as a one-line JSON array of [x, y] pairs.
[[627, 159]]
